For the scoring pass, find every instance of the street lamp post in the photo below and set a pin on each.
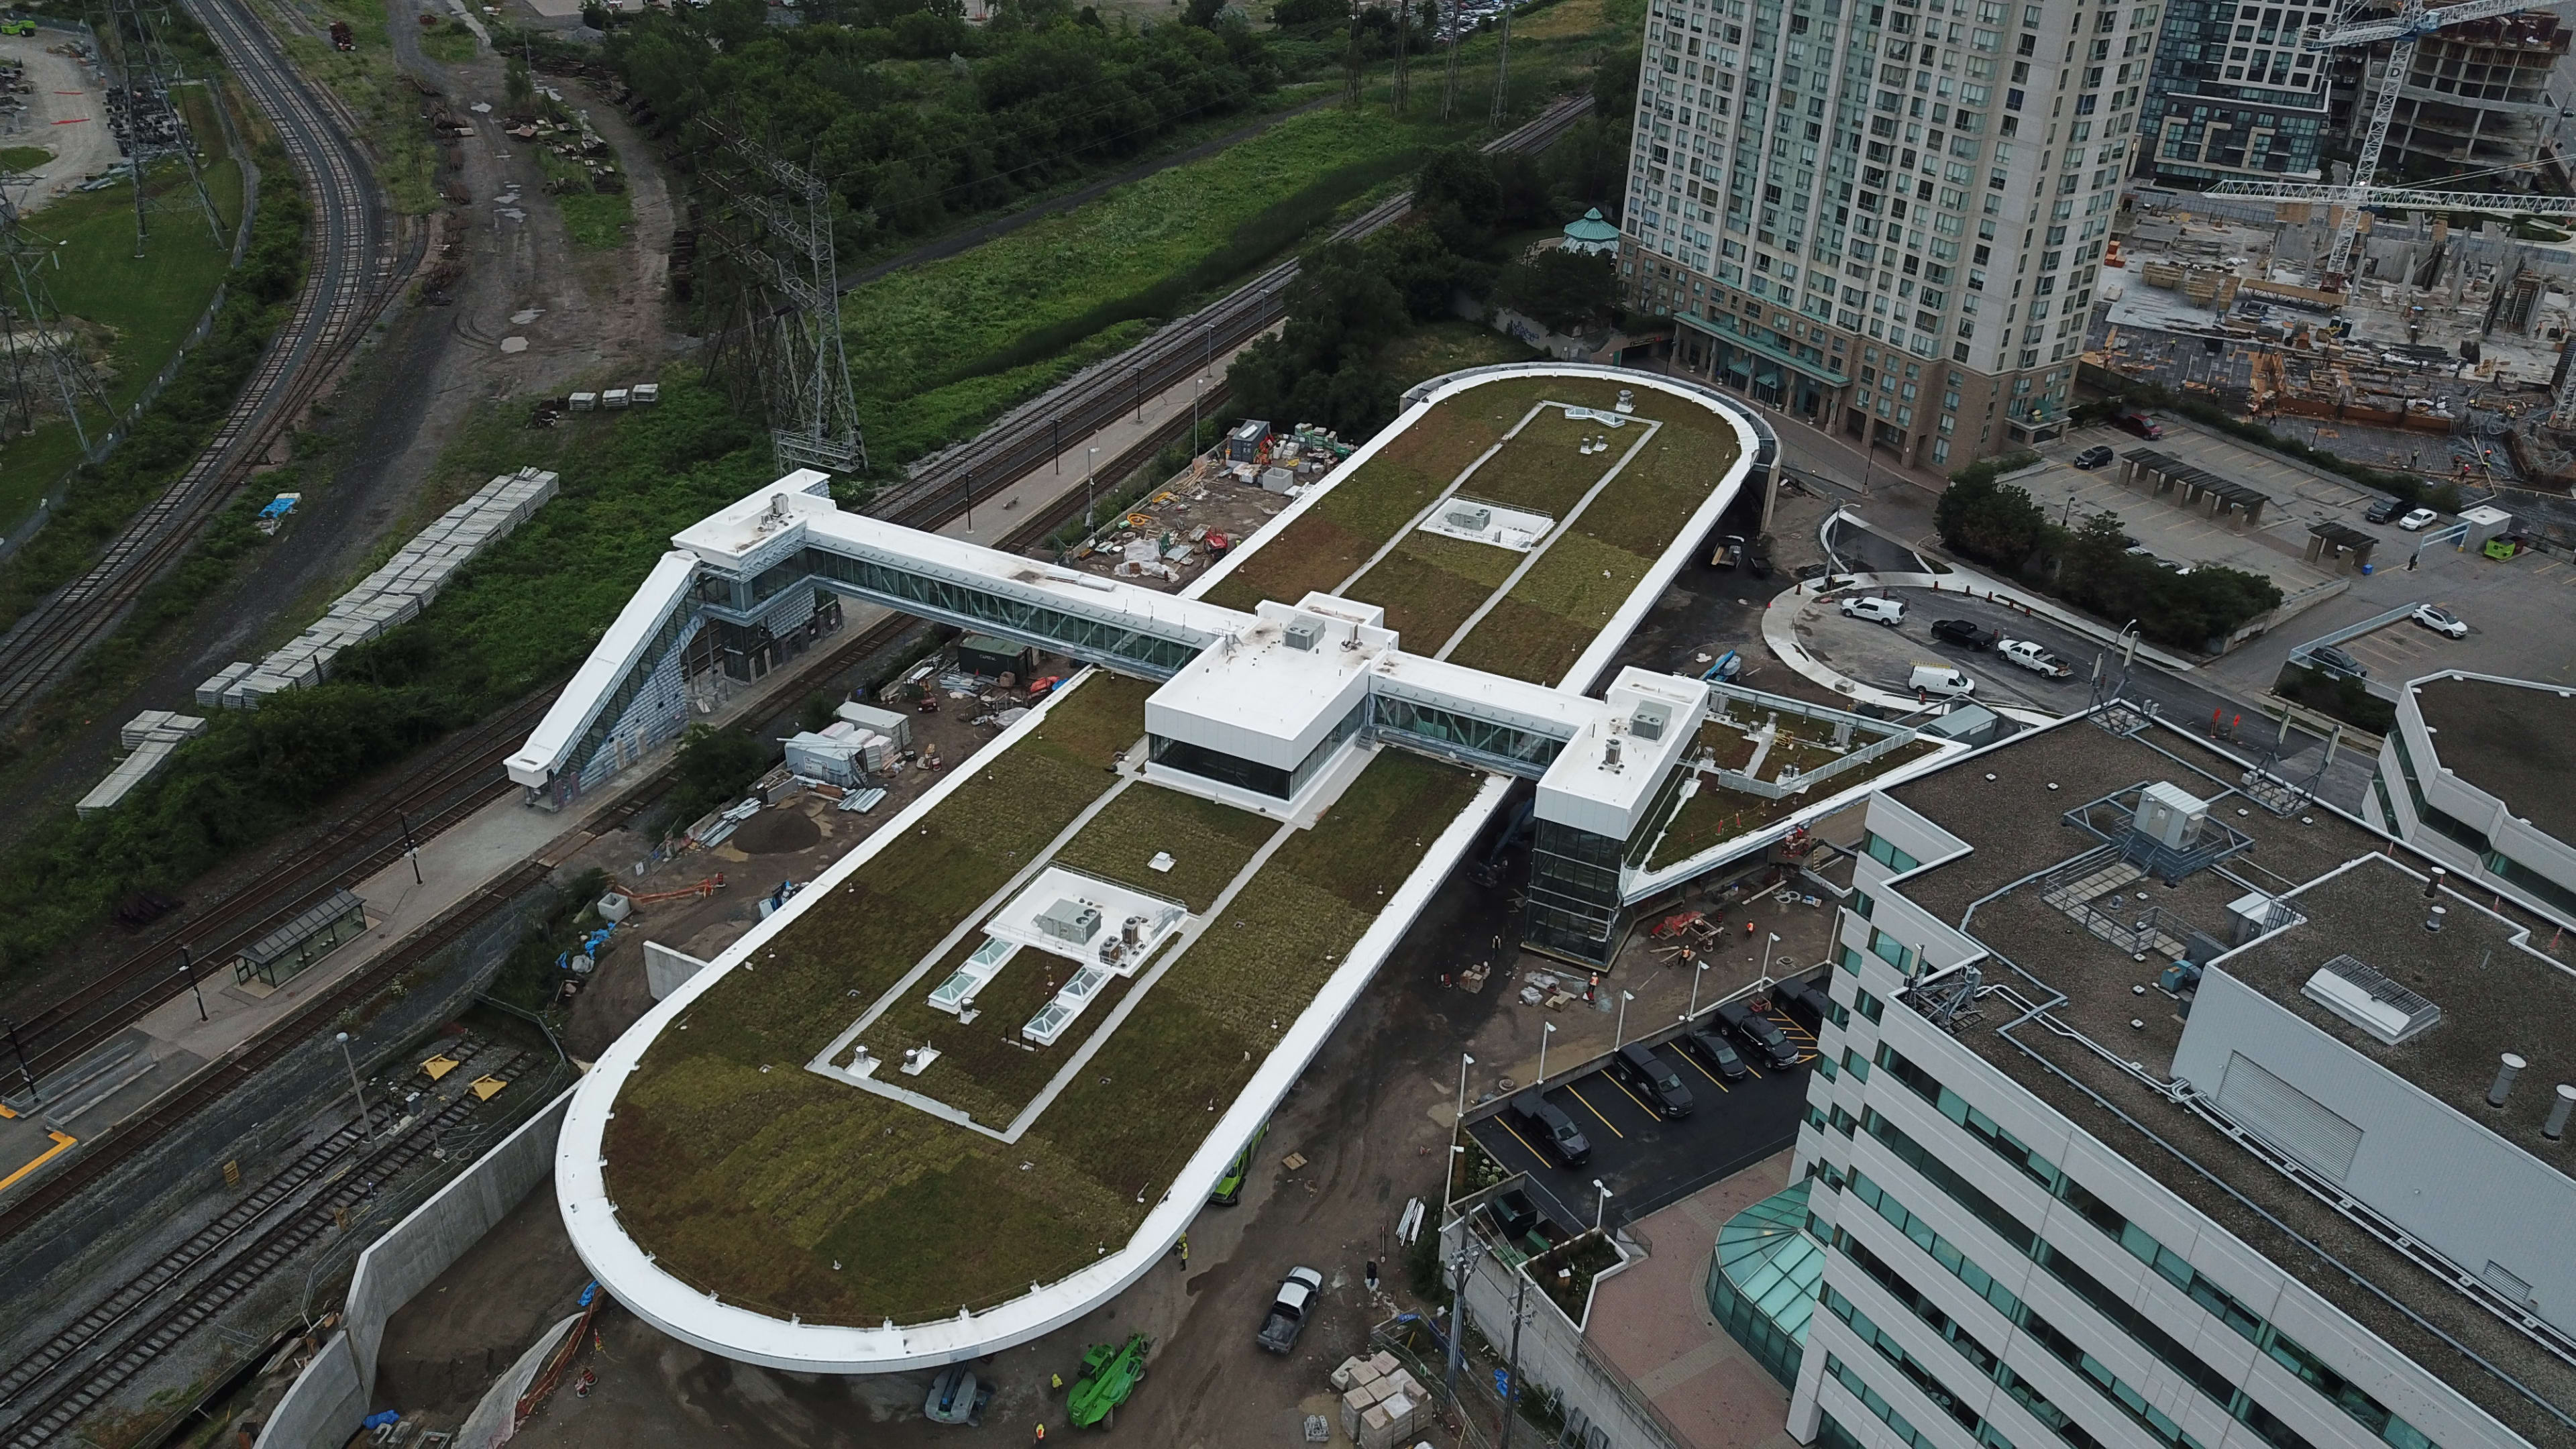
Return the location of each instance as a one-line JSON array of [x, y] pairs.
[[1055, 445], [1449, 1188], [1600, 1204], [1090, 472], [355, 1090], [1698, 969], [411, 847], [188, 968], [1619, 1033], [24, 1074], [1546, 1030], [1770, 952], [1198, 390], [968, 480]]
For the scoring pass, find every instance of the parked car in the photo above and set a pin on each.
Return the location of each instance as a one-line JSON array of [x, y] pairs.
[[2419, 520], [1539, 1118], [2384, 511], [1290, 1310], [1941, 681], [1652, 1079], [2441, 621], [2094, 457], [1716, 1053], [2335, 661], [1760, 1034], [1966, 634], [1229, 1188], [1807, 1003], [1890, 612], [2133, 421], [2030, 655]]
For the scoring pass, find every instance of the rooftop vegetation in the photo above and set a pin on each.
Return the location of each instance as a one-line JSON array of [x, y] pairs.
[[1717, 814], [789, 1193], [1429, 585]]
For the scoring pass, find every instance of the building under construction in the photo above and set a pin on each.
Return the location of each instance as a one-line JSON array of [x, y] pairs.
[[2486, 96]]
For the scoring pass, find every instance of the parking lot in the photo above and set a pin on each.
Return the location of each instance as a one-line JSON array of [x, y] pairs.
[[1646, 1161], [2276, 549]]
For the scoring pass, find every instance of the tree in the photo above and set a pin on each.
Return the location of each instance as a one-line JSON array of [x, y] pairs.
[[516, 85], [1427, 274], [1984, 519], [1457, 191], [1322, 367], [1565, 290]]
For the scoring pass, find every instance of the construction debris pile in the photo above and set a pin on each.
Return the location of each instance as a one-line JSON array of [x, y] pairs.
[[391, 595]]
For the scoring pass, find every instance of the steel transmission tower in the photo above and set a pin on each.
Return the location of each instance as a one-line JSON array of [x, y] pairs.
[[41, 359], [1449, 83], [1403, 44], [1502, 70], [780, 233], [153, 124]]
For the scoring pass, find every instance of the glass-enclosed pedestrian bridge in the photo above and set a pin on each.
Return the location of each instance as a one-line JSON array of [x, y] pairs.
[[1255, 706]]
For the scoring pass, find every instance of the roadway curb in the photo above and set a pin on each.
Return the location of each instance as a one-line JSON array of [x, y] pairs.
[[1779, 635], [1988, 589]]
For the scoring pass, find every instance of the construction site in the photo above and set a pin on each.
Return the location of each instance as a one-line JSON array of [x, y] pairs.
[[2442, 356]]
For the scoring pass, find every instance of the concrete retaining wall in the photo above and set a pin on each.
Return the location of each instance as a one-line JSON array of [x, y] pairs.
[[328, 1399], [1553, 1354]]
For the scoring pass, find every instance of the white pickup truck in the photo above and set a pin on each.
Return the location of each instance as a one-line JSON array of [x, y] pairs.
[[2031, 656]]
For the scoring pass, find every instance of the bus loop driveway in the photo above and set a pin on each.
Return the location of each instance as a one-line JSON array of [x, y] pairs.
[[1646, 1162]]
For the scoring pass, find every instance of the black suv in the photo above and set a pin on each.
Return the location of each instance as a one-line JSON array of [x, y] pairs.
[[1655, 1083], [1538, 1117], [2384, 511], [1759, 1033], [2335, 661], [1716, 1053], [1966, 634]]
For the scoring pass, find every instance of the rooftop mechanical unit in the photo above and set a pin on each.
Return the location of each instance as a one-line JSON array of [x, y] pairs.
[[2170, 816], [1075, 922], [2389, 1012]]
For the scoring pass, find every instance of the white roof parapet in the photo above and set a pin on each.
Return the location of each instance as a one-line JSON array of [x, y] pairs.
[[616, 652], [1608, 775]]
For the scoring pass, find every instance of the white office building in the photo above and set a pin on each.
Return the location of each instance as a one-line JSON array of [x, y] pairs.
[[2480, 775], [2152, 1116], [1884, 218]]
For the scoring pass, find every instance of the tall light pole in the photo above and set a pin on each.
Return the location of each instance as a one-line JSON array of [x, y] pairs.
[[188, 968], [411, 847], [1619, 1033], [20, 1048], [1546, 1030], [1090, 472], [1198, 390], [1770, 952], [1449, 1189], [355, 1090], [1698, 969], [1600, 1204]]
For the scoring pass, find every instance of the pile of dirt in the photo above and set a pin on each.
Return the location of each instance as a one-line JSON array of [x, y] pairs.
[[776, 832]]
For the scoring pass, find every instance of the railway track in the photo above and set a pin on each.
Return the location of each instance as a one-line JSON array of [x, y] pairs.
[[462, 777], [344, 1189], [350, 275]]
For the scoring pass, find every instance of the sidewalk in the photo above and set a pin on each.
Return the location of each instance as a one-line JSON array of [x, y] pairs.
[[1651, 1320]]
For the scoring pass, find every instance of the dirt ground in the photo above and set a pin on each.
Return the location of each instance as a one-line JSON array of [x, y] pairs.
[[1195, 503], [66, 114]]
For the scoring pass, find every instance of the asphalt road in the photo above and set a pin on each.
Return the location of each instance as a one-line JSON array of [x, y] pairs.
[[1876, 654], [1646, 1162]]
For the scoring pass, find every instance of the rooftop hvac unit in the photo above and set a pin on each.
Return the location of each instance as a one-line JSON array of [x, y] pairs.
[[1302, 633], [1649, 721], [1071, 921], [2389, 1012], [2170, 815], [1471, 518]]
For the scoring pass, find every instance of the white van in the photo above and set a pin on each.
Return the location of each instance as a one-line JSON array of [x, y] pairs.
[[1942, 681], [1890, 612]]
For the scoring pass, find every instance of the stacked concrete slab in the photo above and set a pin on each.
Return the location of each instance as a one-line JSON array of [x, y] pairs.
[[391, 595], [152, 736]]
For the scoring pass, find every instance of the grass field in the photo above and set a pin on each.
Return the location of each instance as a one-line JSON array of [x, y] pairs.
[[23, 158], [369, 82], [448, 44], [923, 339], [146, 305], [596, 221]]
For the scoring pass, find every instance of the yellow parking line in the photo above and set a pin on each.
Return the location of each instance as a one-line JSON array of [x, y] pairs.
[[62, 1144], [1542, 1157], [1596, 1112], [1633, 1097], [1703, 1071]]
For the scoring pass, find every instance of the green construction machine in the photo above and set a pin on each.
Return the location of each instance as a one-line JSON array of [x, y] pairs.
[[1110, 1372]]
